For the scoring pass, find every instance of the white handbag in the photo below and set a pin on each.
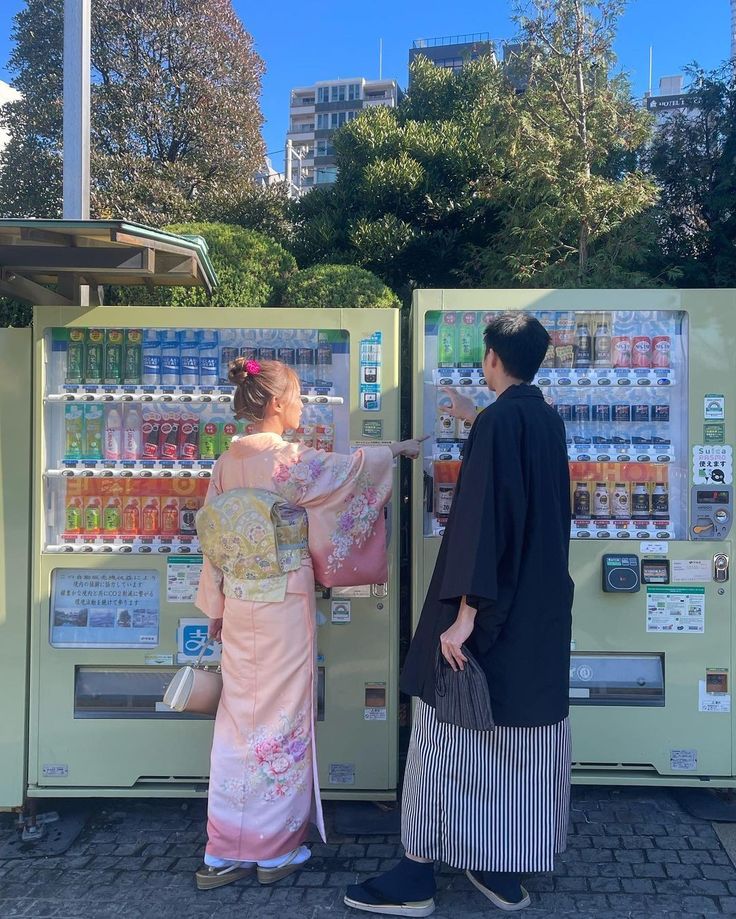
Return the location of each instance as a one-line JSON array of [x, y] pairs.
[[195, 688]]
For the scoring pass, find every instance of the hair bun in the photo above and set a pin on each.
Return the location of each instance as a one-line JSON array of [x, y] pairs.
[[236, 371]]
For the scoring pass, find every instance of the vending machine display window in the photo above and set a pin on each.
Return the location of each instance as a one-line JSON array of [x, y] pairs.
[[618, 379], [135, 419]]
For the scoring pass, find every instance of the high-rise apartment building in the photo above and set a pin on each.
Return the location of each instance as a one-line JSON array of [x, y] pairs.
[[315, 113], [453, 51]]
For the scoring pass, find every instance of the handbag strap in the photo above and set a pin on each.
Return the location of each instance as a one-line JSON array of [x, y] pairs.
[[198, 663]]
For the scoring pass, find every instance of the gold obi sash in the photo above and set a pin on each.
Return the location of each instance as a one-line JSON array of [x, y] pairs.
[[254, 538]]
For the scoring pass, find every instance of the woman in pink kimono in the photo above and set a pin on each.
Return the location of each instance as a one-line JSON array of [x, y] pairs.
[[264, 789]]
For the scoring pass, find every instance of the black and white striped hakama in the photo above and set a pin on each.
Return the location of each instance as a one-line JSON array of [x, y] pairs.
[[486, 801]]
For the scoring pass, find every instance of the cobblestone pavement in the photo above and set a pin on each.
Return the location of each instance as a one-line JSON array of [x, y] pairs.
[[632, 853]]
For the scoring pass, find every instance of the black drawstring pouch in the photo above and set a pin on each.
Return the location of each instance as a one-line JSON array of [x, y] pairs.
[[461, 696]]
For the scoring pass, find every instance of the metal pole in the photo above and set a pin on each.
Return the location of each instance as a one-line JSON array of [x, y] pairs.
[[289, 189], [77, 19]]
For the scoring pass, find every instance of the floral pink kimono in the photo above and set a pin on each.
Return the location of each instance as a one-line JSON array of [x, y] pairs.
[[264, 788]]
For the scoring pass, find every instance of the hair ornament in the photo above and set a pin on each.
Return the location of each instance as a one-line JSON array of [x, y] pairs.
[[252, 368]]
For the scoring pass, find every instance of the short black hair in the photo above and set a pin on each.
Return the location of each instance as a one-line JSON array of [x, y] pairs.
[[520, 341]]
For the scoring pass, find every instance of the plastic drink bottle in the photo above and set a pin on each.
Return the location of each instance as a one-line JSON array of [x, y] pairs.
[[132, 357], [73, 517], [170, 358], [189, 356], [75, 356], [94, 356], [73, 432], [111, 517], [209, 357], [113, 435], [468, 343], [447, 340], [189, 437], [132, 435], [583, 345], [93, 431], [113, 373], [151, 370], [151, 517], [170, 517], [92, 516], [132, 517], [150, 434]]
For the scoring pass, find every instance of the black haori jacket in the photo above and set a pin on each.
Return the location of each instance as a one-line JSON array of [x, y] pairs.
[[506, 548]]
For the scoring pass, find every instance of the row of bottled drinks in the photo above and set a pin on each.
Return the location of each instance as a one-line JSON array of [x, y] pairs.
[[578, 340], [190, 357], [128, 432]]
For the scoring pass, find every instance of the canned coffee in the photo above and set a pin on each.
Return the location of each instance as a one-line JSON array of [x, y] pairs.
[[581, 412], [640, 412], [602, 412], [660, 413], [564, 410], [621, 411]]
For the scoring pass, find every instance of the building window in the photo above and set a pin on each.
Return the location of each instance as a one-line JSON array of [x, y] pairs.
[[337, 93], [326, 175], [354, 91], [323, 94], [323, 122], [325, 148], [351, 115]]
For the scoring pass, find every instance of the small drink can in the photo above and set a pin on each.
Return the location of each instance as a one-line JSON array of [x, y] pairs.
[[150, 433], [601, 411], [601, 502], [463, 427], [208, 440], [564, 410], [250, 353], [325, 437], [640, 501], [267, 354], [621, 412], [581, 412], [287, 356], [188, 508], [621, 351], [305, 435], [660, 501], [621, 501], [228, 430], [641, 352], [227, 355], [444, 493], [581, 501], [168, 438], [661, 412], [640, 412], [661, 345], [189, 438]]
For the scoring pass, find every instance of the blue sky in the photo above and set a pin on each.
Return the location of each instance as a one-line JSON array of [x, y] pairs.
[[302, 43]]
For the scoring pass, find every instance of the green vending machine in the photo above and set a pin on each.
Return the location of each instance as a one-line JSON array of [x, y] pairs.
[[15, 502], [645, 383], [132, 408]]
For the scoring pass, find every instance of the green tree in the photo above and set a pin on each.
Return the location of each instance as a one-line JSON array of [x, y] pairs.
[[408, 200], [693, 158], [175, 115], [569, 191], [338, 286], [252, 270]]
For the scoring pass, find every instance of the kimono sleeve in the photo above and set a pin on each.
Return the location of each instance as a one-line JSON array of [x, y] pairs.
[[210, 598], [344, 497], [488, 514]]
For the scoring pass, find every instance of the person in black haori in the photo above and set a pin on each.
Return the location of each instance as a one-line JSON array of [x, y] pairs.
[[494, 803]]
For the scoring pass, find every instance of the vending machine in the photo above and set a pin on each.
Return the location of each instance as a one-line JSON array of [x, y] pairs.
[[132, 408], [645, 383], [15, 500]]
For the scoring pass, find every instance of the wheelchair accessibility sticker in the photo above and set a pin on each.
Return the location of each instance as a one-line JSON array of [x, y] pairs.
[[191, 637]]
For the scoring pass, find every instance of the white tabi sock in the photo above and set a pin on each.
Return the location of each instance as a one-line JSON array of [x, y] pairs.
[[212, 861], [302, 854]]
